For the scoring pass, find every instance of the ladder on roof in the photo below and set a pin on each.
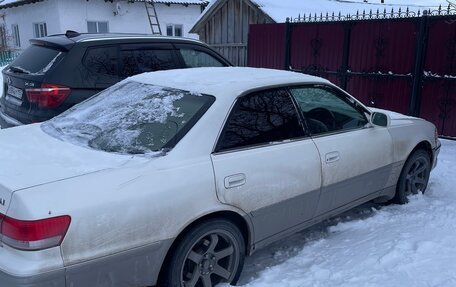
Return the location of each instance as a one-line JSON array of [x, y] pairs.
[[153, 18]]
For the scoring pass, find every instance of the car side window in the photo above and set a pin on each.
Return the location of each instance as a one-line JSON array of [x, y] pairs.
[[261, 118], [326, 111], [194, 58], [139, 60], [102, 60]]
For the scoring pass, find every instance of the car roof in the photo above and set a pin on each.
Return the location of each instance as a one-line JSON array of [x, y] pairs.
[[68, 40], [225, 82]]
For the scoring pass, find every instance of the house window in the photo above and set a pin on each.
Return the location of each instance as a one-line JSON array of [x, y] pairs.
[[16, 37], [40, 30], [97, 27], [174, 30]]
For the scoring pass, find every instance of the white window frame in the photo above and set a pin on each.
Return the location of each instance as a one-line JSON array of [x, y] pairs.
[[97, 25], [16, 35], [173, 27], [40, 29]]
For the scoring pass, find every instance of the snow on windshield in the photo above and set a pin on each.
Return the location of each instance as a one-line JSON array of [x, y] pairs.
[[128, 118]]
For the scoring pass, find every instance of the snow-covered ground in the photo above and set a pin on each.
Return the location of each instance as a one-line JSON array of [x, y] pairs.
[[373, 245]]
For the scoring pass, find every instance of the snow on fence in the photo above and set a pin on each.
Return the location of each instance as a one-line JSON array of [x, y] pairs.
[[376, 14]]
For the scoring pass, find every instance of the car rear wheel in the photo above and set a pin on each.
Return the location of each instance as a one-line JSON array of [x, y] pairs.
[[414, 176], [211, 253]]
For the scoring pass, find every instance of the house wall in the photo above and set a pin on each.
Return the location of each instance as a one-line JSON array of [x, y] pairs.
[[186, 16], [25, 16], [74, 15], [62, 15], [228, 27]]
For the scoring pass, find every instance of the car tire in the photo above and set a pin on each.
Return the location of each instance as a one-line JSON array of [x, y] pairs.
[[210, 253], [414, 176]]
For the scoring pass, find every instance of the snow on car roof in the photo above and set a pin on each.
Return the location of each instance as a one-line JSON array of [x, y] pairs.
[[224, 82]]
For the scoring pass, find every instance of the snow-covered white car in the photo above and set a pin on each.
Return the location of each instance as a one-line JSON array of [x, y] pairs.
[[171, 178]]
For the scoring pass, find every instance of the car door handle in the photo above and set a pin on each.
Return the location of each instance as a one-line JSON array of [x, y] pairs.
[[235, 180], [332, 157]]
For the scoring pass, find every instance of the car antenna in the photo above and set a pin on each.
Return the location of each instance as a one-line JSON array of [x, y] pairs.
[[72, 34]]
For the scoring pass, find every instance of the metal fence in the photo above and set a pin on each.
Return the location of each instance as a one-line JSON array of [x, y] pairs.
[[6, 57], [398, 60]]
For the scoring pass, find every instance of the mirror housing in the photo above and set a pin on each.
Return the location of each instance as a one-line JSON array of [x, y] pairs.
[[380, 119]]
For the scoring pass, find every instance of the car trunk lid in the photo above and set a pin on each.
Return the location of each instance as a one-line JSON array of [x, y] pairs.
[[31, 157], [5, 199], [28, 71]]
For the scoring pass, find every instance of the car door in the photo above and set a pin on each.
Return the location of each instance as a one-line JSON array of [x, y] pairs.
[[356, 157], [266, 165], [140, 58], [101, 65]]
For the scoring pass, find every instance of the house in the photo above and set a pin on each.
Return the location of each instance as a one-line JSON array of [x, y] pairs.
[[224, 24], [22, 20]]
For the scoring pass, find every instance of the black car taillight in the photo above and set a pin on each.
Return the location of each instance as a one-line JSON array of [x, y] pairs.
[[48, 96], [33, 235]]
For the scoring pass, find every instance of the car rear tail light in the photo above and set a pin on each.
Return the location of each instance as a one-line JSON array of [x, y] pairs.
[[48, 96], [33, 235]]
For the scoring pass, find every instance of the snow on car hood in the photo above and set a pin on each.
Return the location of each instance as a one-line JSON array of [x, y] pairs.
[[30, 157]]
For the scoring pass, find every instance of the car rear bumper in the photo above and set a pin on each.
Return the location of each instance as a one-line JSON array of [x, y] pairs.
[[7, 121], [49, 279], [41, 268], [136, 267]]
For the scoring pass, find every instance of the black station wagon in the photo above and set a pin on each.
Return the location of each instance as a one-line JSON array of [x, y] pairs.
[[59, 71]]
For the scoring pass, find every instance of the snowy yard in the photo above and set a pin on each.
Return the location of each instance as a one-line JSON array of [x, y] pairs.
[[409, 245]]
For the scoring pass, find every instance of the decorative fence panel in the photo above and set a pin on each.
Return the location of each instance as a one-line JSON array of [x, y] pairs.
[[401, 61], [7, 57]]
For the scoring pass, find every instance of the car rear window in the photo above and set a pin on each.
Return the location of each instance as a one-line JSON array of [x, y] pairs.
[[36, 59], [130, 118]]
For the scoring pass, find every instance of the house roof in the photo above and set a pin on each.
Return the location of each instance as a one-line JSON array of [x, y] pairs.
[[213, 8], [183, 2], [280, 10], [15, 3]]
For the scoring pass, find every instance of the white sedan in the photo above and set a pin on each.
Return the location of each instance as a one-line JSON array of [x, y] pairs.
[[171, 178]]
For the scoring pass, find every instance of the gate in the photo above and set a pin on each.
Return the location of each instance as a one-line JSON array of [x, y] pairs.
[[399, 61]]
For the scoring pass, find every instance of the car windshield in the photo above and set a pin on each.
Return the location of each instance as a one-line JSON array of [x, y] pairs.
[[130, 118]]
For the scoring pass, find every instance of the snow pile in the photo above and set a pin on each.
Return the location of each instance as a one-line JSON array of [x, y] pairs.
[[373, 245]]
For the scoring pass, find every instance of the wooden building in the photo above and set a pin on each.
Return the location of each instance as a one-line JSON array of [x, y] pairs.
[[224, 25]]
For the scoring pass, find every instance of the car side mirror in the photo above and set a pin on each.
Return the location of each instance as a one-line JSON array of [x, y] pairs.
[[380, 119]]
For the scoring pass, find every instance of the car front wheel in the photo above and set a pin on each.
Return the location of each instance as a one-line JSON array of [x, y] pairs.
[[211, 253], [414, 176]]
